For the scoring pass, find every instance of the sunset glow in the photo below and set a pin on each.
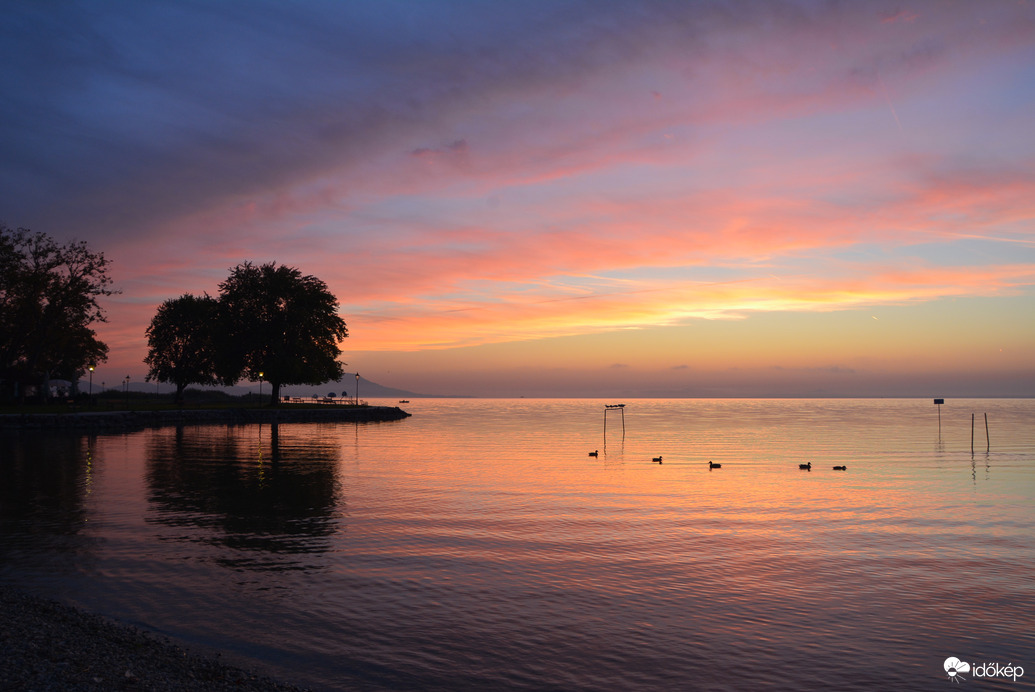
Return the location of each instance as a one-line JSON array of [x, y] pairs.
[[673, 199]]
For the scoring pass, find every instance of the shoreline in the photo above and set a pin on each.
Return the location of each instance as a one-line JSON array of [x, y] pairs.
[[49, 645], [127, 421]]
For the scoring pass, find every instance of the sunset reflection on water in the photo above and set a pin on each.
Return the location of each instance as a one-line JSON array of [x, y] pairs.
[[477, 545]]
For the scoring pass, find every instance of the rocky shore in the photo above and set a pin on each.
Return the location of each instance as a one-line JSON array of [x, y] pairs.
[[125, 421], [46, 646]]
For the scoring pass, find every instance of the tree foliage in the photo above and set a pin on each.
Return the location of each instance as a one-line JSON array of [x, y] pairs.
[[269, 323], [181, 342], [48, 301], [280, 326]]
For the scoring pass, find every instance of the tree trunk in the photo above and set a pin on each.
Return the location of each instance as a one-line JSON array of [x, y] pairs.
[[275, 401], [179, 393]]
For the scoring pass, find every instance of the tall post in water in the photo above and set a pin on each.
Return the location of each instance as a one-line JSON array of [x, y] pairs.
[[988, 441], [972, 434]]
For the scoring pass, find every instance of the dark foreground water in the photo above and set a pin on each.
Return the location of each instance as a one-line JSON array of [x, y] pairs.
[[477, 546]]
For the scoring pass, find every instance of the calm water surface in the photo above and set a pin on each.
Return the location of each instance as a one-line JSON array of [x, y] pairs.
[[477, 546]]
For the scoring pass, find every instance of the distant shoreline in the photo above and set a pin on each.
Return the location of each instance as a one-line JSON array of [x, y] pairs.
[[122, 421]]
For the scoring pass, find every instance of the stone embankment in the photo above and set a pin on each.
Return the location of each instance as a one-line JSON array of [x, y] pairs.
[[123, 421]]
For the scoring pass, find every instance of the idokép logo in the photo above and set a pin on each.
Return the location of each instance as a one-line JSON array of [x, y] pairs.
[[955, 668]]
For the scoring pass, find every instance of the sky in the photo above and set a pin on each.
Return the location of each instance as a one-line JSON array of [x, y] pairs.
[[565, 198]]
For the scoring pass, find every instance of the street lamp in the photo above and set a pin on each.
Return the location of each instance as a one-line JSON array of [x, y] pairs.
[[126, 384], [357, 389], [91, 383], [260, 389]]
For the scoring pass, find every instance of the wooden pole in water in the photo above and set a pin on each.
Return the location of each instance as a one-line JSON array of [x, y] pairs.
[[988, 442], [972, 434]]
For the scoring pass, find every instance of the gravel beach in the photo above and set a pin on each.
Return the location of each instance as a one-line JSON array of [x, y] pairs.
[[46, 646]]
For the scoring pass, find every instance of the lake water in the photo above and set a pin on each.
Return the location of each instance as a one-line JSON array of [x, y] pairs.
[[477, 546]]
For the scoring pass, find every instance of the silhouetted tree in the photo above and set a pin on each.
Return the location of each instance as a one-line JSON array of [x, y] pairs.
[[48, 302], [181, 342], [279, 323]]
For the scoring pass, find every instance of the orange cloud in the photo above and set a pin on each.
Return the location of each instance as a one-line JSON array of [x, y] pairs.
[[653, 303]]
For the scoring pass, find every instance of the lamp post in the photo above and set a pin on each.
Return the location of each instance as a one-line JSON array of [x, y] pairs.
[[126, 385], [91, 384], [357, 389], [260, 389]]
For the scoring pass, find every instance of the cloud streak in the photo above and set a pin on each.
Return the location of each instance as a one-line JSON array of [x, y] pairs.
[[421, 325]]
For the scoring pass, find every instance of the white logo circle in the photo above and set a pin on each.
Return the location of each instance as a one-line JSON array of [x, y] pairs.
[[953, 666]]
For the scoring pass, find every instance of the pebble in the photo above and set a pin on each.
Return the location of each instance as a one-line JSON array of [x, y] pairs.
[[47, 646]]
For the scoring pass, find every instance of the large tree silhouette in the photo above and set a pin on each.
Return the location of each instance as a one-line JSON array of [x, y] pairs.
[[181, 342], [48, 303], [279, 326]]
